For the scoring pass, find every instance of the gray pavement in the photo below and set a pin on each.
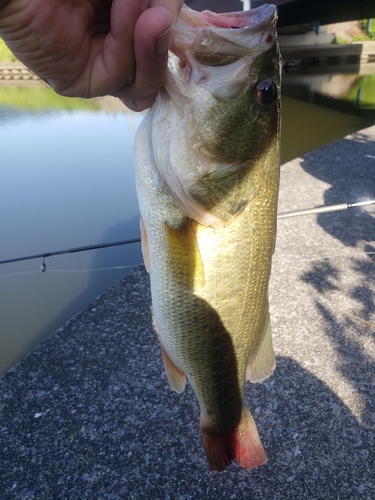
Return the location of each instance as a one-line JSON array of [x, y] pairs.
[[89, 413]]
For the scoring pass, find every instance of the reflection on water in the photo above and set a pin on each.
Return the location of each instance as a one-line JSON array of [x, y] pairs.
[[67, 180], [320, 108], [41, 99], [307, 126]]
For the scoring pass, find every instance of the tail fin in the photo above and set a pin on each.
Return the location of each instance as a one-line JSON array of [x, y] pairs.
[[243, 444]]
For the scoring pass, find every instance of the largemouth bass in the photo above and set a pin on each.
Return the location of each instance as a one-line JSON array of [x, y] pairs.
[[207, 173]]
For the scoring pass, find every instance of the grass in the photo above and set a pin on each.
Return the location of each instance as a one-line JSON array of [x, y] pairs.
[[342, 41], [5, 54], [40, 98], [365, 85], [371, 33], [363, 37], [37, 98]]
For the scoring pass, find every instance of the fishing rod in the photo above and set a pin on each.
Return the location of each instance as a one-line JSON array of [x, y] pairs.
[[325, 209], [70, 250], [316, 210]]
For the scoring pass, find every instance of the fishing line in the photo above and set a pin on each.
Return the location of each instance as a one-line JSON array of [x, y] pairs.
[[34, 271], [54, 270], [294, 258]]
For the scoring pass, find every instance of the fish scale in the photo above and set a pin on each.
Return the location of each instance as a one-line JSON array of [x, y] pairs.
[[207, 173]]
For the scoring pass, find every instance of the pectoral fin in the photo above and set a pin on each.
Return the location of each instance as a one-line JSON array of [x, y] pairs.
[[263, 363], [186, 265]]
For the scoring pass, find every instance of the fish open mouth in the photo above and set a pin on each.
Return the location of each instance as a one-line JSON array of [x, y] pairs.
[[236, 20], [221, 39]]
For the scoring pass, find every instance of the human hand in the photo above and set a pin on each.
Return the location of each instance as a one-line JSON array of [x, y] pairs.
[[91, 48]]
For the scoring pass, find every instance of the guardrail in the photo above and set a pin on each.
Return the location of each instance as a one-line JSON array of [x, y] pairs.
[[361, 54], [12, 73]]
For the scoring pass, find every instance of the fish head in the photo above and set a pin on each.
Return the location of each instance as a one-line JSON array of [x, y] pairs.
[[221, 103]]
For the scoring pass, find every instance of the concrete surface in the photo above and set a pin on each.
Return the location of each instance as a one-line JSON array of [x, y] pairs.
[[89, 413]]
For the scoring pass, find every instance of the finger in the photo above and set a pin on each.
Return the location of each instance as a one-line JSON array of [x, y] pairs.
[[151, 37], [151, 52], [114, 66], [173, 6]]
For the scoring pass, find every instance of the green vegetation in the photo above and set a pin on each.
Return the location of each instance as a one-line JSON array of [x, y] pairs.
[[39, 98], [342, 41], [5, 54], [371, 34], [363, 91], [354, 38], [361, 37]]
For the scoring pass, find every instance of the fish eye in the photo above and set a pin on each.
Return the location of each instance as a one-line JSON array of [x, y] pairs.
[[266, 92]]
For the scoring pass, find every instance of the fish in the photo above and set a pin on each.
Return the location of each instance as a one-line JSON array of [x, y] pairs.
[[207, 180]]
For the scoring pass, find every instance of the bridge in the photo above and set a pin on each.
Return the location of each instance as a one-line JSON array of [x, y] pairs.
[[293, 12]]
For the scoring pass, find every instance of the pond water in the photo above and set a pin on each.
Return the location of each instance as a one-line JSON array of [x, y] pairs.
[[67, 180]]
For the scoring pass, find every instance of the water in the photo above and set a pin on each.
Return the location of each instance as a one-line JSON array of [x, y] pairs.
[[67, 180]]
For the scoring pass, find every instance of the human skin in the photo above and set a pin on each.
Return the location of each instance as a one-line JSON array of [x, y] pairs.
[[91, 48]]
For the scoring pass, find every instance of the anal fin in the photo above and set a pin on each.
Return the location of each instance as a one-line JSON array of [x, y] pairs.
[[176, 378], [263, 363], [144, 245]]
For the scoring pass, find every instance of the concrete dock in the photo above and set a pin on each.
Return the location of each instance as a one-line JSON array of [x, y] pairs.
[[89, 413]]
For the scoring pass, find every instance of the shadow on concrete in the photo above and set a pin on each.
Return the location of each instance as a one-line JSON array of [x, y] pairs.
[[349, 167], [342, 290], [350, 329], [89, 414]]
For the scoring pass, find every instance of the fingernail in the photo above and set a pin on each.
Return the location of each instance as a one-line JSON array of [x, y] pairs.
[[162, 42], [144, 4]]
